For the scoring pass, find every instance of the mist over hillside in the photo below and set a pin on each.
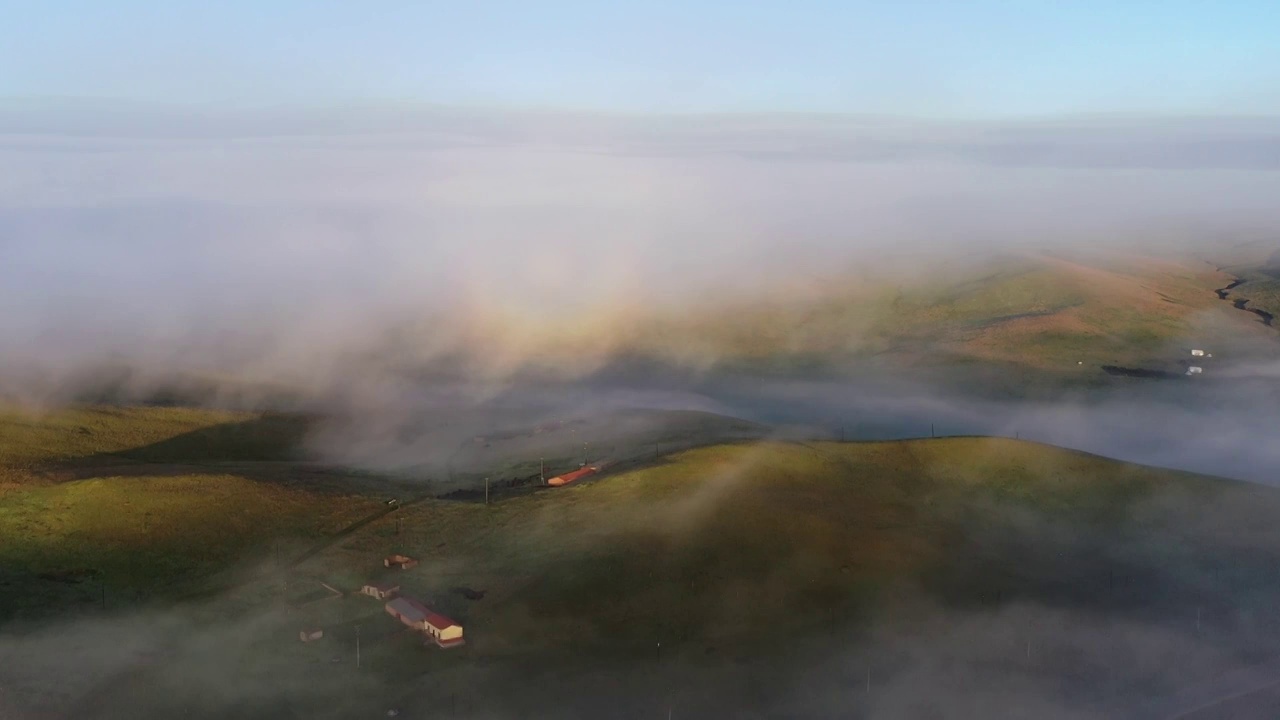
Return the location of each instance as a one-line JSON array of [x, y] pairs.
[[821, 271]]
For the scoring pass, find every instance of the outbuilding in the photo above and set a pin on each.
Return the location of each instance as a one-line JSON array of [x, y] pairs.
[[310, 635], [409, 611], [1197, 353], [403, 562], [442, 630], [380, 590], [569, 477]]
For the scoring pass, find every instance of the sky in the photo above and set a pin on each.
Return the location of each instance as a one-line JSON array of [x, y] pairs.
[[983, 58]]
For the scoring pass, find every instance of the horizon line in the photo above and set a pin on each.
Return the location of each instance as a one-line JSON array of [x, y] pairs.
[[50, 102]]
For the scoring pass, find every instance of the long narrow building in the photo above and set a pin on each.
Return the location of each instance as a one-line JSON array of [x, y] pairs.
[[444, 631]]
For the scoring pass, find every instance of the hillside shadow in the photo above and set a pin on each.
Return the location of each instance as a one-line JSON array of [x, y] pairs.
[[265, 449], [269, 438]]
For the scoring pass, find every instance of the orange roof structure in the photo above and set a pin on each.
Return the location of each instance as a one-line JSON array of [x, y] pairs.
[[569, 477], [439, 622]]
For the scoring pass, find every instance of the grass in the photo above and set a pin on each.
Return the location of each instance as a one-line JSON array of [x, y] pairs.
[[719, 541], [28, 438], [724, 554], [804, 530], [1038, 313], [175, 520]]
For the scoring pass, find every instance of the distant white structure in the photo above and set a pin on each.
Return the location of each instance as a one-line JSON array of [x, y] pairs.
[[1193, 370], [1197, 353]]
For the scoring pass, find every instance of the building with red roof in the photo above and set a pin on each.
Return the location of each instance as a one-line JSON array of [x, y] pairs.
[[569, 477], [444, 631]]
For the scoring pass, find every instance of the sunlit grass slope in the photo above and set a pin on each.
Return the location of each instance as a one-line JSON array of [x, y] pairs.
[[1041, 312], [152, 511], [705, 548], [719, 545]]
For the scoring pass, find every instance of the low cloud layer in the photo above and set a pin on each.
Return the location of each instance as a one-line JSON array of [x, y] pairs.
[[371, 257]]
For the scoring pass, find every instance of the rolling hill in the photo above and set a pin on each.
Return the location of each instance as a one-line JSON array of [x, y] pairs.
[[1025, 321], [725, 562]]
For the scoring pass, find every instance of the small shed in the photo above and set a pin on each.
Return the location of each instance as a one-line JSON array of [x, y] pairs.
[[1194, 370], [402, 562], [1197, 353], [380, 590], [311, 634]]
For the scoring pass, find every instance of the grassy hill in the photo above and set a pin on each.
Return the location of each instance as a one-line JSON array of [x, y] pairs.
[[1050, 318], [751, 557], [148, 501], [714, 542]]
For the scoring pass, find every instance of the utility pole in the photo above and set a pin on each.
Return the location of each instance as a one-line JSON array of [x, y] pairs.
[[542, 470], [357, 647], [486, 491]]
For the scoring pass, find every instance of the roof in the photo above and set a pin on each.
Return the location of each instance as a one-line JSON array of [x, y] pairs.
[[382, 586], [409, 609], [415, 611], [440, 622], [571, 476], [398, 558]]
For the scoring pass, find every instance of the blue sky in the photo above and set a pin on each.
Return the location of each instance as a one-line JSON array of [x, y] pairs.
[[935, 59]]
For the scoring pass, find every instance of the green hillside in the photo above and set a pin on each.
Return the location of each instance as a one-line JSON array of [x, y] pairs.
[[1042, 318], [811, 532], [703, 553]]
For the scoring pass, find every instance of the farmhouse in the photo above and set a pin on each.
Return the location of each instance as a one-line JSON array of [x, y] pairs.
[[403, 562], [442, 630], [381, 590], [310, 634]]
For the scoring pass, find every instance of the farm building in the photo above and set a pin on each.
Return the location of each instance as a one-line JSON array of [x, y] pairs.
[[310, 634], [569, 477], [403, 562], [1193, 370], [409, 611], [380, 591], [1197, 353], [445, 632], [442, 630]]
